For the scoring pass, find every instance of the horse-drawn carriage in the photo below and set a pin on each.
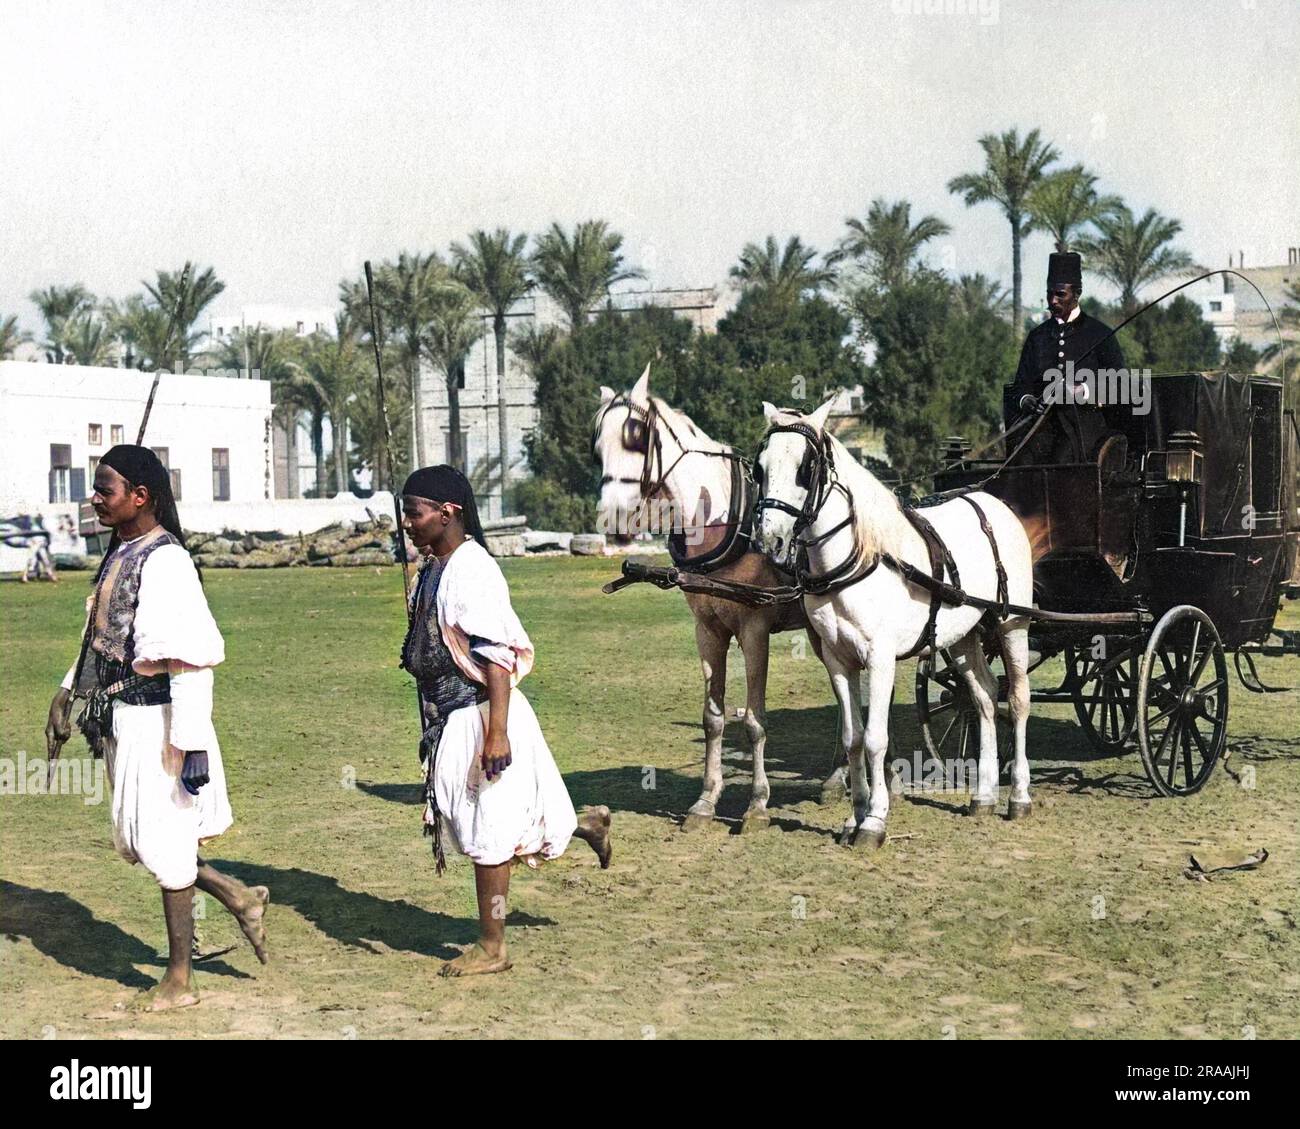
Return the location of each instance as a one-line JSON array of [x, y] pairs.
[[1168, 561]]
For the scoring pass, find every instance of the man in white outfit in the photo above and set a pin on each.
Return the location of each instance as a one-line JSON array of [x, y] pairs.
[[146, 675]]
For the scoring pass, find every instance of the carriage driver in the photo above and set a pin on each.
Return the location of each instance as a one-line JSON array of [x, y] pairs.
[[1069, 337]]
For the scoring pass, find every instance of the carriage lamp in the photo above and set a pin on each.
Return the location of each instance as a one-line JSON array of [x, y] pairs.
[[1184, 464]]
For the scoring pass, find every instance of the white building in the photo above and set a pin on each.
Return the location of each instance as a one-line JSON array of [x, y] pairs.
[[302, 320], [213, 434]]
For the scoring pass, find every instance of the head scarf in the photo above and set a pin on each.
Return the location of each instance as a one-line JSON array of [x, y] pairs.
[[444, 483], [140, 466]]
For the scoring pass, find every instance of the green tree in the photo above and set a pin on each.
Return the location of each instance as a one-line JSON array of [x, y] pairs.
[[453, 328], [11, 336], [780, 275], [1240, 357], [182, 296], [336, 364], [498, 272], [1131, 253], [59, 305], [87, 340], [577, 270], [1012, 167], [1063, 203], [975, 295], [887, 242], [271, 355]]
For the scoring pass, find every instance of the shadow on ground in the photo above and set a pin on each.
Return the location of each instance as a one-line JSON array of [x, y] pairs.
[[362, 920]]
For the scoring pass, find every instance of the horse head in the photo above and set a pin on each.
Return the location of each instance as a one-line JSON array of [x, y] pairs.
[[788, 472], [621, 443]]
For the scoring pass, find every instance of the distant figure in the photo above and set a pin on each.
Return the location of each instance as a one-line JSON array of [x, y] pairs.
[[39, 561]]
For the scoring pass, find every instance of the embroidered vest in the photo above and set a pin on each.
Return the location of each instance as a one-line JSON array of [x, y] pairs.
[[112, 640]]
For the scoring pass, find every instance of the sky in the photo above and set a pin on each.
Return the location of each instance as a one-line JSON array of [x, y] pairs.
[[285, 142]]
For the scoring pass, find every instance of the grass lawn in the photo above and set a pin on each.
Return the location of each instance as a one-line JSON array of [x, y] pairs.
[[1077, 922]]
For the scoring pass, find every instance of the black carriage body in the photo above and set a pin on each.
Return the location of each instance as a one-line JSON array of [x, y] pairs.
[[1109, 536]]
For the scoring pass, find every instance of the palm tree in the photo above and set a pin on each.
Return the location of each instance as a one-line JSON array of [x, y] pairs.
[[1063, 202], [496, 270], [269, 353], [125, 321], [88, 341], [576, 271], [335, 366], [405, 293], [11, 336], [58, 306], [453, 327], [1012, 168], [1130, 253], [534, 346], [887, 241], [183, 295], [975, 294], [781, 274]]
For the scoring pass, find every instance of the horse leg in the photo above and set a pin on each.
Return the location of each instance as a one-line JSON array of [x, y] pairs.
[[983, 687], [1015, 657], [880, 693], [712, 645], [836, 785], [754, 642], [848, 693]]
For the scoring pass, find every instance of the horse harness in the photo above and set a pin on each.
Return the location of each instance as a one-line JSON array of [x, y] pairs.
[[816, 475], [640, 435]]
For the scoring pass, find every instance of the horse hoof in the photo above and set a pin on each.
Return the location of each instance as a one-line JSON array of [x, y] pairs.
[[755, 821], [696, 821], [979, 808], [866, 840], [1018, 810]]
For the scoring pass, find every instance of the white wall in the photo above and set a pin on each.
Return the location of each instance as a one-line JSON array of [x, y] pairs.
[[288, 515], [43, 404]]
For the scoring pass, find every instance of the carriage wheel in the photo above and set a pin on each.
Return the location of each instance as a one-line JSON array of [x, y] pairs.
[[1104, 691], [1182, 702], [945, 711]]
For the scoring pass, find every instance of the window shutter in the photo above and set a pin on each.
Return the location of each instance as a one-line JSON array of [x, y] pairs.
[[54, 488], [78, 492]]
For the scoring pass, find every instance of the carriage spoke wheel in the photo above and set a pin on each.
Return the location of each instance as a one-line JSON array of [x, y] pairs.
[[1182, 702], [949, 727], [1104, 692]]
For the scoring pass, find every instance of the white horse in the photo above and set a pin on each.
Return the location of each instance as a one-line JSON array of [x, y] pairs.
[[816, 499], [654, 458]]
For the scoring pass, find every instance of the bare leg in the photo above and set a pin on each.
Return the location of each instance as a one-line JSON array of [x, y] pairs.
[[176, 989], [755, 643], [492, 884], [593, 829], [712, 646], [247, 904]]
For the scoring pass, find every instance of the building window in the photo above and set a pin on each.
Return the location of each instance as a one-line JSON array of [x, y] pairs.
[[60, 472], [92, 465], [96, 437], [221, 474], [115, 434], [176, 484], [300, 327], [1215, 307], [164, 456]]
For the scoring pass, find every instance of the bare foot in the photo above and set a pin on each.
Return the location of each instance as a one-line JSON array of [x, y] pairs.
[[250, 920], [593, 828], [476, 961], [166, 996]]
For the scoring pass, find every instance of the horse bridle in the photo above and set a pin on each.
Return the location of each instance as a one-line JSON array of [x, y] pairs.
[[640, 435], [817, 476]]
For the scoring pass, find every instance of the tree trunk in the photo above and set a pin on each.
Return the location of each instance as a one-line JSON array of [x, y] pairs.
[[1016, 307], [417, 414], [455, 456], [339, 429], [318, 450], [290, 419], [503, 431]]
